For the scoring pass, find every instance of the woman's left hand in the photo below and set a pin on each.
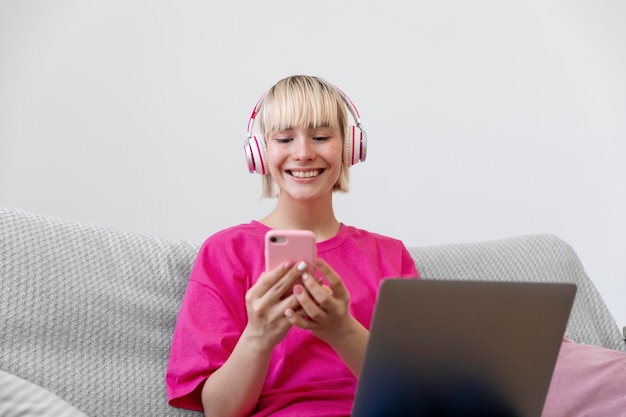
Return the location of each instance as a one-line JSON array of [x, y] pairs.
[[325, 308]]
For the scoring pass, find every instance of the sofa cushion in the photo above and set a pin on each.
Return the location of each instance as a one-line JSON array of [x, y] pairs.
[[19, 398], [588, 381]]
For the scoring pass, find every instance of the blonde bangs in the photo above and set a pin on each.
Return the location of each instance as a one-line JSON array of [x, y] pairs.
[[302, 102]]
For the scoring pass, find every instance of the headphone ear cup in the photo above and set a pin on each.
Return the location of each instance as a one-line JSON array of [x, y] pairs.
[[256, 155], [363, 147], [355, 149]]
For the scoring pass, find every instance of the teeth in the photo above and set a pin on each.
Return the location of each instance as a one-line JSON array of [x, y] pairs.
[[305, 174]]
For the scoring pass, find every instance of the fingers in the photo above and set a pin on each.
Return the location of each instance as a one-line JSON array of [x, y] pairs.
[[266, 303], [277, 282], [334, 281], [321, 304], [269, 279], [308, 294]]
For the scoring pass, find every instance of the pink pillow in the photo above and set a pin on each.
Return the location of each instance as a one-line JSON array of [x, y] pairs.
[[587, 381]]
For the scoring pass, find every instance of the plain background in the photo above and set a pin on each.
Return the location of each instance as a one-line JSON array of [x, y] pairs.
[[487, 119]]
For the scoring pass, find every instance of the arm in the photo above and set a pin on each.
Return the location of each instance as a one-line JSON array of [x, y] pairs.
[[234, 389]]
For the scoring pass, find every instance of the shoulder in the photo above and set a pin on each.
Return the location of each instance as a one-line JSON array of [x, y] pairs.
[[240, 238], [239, 233], [384, 256], [355, 233], [236, 251], [354, 239]]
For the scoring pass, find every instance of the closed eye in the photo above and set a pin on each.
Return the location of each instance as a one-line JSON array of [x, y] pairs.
[[283, 140]]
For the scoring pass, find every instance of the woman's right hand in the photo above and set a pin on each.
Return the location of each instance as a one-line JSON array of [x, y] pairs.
[[234, 388], [266, 304]]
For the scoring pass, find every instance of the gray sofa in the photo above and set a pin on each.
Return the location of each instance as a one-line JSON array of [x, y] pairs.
[[88, 312]]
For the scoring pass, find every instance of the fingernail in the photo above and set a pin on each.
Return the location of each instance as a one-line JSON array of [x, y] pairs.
[[301, 266], [305, 276], [288, 313]]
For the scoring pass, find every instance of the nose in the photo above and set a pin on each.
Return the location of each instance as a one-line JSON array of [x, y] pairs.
[[303, 149]]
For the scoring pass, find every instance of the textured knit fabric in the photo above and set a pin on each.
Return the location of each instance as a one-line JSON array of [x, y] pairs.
[[306, 377], [88, 312]]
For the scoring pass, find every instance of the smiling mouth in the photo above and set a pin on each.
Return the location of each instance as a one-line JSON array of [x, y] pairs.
[[305, 174]]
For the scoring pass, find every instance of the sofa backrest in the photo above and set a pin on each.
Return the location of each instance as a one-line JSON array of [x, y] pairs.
[[88, 312], [537, 258]]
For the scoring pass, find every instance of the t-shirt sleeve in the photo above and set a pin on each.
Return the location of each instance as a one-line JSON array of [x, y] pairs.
[[211, 318], [409, 269]]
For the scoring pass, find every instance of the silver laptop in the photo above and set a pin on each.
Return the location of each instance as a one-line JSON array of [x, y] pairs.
[[462, 348]]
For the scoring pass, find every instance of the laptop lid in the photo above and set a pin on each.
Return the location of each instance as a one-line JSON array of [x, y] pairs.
[[462, 348]]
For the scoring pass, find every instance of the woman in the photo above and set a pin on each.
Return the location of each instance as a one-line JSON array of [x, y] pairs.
[[239, 347]]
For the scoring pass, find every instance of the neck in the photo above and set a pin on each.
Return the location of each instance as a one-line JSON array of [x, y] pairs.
[[317, 216]]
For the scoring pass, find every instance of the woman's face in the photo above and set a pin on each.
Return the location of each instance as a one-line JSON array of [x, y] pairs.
[[305, 162]]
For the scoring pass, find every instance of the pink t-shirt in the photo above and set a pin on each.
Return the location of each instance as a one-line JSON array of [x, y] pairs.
[[306, 377]]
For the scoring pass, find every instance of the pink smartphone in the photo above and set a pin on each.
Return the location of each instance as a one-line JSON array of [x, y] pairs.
[[290, 245]]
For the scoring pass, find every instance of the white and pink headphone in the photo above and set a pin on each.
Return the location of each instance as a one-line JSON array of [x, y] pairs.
[[355, 149]]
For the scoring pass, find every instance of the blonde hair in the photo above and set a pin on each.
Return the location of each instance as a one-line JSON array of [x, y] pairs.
[[303, 101]]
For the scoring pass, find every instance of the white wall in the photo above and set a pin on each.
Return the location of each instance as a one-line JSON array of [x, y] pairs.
[[486, 119]]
